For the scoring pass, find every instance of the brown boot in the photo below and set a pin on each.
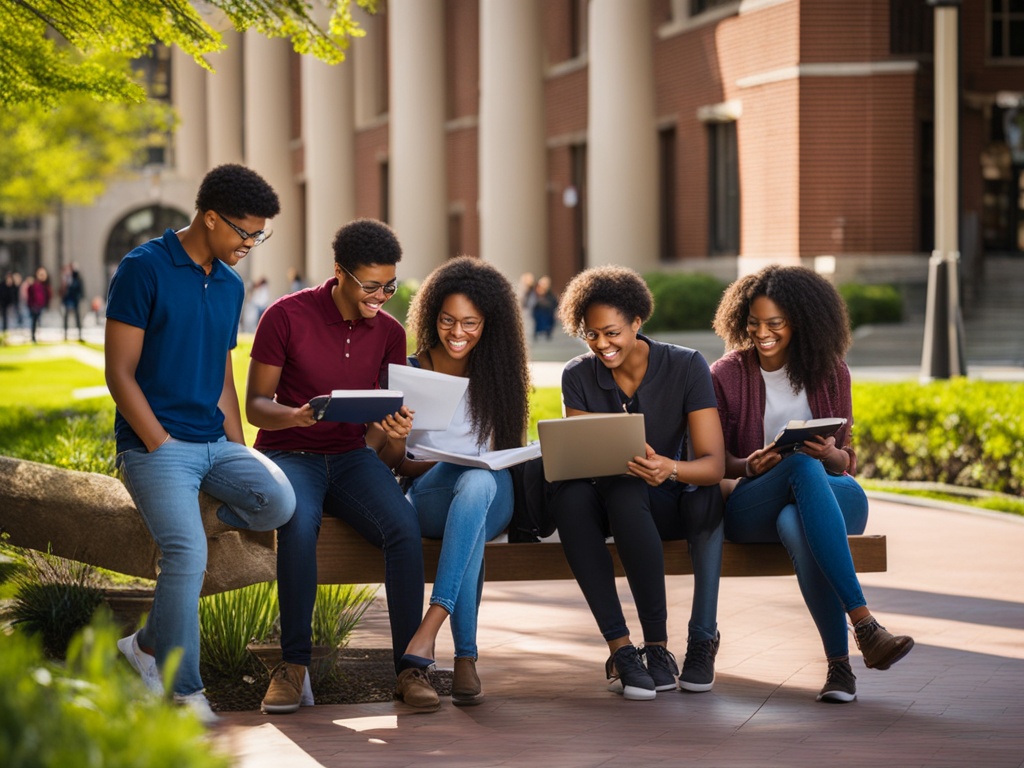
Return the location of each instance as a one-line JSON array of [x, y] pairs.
[[414, 689], [880, 649], [285, 692], [466, 689]]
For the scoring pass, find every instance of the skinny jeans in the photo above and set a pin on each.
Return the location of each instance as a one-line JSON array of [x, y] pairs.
[[358, 488], [811, 512], [639, 518], [165, 486], [465, 507]]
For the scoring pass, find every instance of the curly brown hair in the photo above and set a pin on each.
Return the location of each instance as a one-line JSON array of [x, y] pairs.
[[814, 310], [620, 288], [498, 369]]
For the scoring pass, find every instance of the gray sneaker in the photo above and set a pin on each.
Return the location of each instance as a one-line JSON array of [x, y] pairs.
[[698, 673], [840, 683], [628, 675], [662, 667], [141, 662]]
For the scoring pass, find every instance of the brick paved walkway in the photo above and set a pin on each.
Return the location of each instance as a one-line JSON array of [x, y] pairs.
[[954, 583]]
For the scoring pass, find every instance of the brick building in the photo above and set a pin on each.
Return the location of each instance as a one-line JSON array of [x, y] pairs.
[[548, 135]]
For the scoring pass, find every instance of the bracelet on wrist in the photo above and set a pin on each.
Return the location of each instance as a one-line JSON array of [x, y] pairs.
[[675, 472]]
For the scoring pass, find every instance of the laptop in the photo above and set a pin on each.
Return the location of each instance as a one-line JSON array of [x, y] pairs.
[[595, 445]]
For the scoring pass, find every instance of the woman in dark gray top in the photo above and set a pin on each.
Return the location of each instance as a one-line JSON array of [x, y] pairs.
[[670, 493]]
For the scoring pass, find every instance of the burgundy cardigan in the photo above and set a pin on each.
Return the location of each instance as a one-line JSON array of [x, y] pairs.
[[741, 397]]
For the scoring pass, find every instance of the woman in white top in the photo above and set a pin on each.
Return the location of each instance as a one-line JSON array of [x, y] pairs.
[[466, 322]]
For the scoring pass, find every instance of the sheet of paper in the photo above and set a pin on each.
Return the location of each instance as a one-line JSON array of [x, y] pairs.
[[433, 396], [487, 460]]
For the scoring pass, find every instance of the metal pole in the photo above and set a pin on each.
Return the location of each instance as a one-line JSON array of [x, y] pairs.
[[943, 354]]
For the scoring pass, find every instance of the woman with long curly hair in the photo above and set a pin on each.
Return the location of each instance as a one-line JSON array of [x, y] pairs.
[[466, 322], [787, 332], [669, 493]]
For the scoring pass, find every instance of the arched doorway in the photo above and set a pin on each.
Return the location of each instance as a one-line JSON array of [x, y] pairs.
[[136, 228]]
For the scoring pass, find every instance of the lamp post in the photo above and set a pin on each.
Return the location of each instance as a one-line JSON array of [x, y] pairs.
[[943, 353]]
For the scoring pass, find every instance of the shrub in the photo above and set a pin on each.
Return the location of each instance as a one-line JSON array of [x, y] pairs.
[[337, 612], [961, 432], [92, 711], [54, 598], [872, 304], [398, 305], [229, 621], [683, 301]]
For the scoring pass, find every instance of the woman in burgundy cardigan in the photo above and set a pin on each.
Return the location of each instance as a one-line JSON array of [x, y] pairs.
[[787, 332]]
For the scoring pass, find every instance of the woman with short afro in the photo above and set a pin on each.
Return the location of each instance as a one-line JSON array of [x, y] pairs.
[[669, 493], [787, 332], [467, 322]]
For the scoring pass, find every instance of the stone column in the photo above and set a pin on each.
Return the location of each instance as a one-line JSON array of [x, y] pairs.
[[188, 95], [513, 213], [418, 190], [622, 154], [329, 159], [268, 151], [224, 103]]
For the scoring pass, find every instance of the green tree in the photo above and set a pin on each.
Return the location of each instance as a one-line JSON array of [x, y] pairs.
[[66, 154], [52, 48]]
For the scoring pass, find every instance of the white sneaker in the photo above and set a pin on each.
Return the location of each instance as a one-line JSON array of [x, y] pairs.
[[141, 662], [307, 692], [199, 705]]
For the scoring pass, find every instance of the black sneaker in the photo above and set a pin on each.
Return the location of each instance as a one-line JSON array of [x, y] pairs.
[[628, 675], [662, 667], [699, 665], [840, 683]]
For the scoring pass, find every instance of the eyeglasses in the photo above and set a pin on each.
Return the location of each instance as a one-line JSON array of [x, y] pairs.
[[774, 324], [389, 287], [258, 238], [468, 325], [590, 335]]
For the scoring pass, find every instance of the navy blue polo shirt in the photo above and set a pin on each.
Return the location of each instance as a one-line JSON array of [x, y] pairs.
[[677, 382], [191, 323]]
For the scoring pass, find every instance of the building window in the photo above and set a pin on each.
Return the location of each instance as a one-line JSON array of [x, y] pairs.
[[455, 233], [1006, 29], [667, 194], [699, 6], [579, 207], [724, 189], [911, 27], [385, 190], [578, 21]]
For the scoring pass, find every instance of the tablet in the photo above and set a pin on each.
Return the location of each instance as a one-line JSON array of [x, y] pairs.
[[595, 445]]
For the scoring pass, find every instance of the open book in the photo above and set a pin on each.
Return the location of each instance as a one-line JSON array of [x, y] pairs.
[[486, 460], [356, 406], [795, 432]]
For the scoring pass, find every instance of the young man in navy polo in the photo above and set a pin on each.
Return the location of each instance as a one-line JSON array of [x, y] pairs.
[[336, 336], [172, 319]]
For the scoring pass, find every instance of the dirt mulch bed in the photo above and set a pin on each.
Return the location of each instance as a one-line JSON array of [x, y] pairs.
[[360, 675]]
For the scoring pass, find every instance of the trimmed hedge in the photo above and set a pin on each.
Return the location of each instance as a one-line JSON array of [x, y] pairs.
[[683, 302], [872, 304], [962, 432]]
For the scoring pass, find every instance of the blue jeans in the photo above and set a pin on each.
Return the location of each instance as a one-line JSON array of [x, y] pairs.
[[358, 488], [165, 487], [811, 512], [465, 508]]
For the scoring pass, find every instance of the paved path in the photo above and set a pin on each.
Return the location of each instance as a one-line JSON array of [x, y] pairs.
[[954, 583]]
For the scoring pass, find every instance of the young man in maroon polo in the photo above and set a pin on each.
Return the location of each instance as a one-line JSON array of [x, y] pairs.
[[335, 336]]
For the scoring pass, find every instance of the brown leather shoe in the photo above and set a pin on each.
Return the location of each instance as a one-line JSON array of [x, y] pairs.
[[466, 689], [880, 648], [285, 692], [414, 689]]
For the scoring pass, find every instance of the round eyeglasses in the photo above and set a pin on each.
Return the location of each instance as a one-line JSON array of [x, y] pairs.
[[469, 325], [388, 288]]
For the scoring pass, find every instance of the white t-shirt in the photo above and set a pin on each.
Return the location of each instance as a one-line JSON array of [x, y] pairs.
[[781, 405]]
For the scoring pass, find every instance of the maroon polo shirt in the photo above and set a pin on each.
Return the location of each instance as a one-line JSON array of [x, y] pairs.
[[317, 351]]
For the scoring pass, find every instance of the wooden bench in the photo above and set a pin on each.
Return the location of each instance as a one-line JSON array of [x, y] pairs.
[[345, 557]]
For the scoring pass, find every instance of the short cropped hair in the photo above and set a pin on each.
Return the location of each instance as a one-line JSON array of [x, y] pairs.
[[620, 288], [363, 242], [237, 192]]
